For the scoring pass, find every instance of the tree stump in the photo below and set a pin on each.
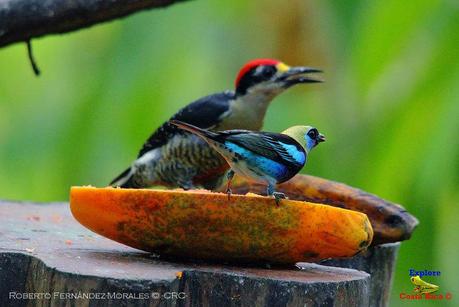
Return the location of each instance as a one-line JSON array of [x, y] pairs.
[[379, 261], [47, 258]]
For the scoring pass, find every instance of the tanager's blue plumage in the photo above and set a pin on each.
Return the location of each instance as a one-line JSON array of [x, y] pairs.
[[265, 154], [265, 157]]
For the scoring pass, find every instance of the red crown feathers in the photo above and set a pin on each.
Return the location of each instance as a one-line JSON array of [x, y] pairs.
[[252, 64]]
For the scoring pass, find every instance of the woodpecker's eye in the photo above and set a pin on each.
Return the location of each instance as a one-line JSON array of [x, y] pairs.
[[313, 133], [267, 71], [254, 76]]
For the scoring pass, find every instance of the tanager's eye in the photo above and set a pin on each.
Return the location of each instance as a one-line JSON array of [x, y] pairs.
[[313, 133]]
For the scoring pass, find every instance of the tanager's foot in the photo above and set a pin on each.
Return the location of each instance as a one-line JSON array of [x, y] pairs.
[[278, 196], [229, 176], [229, 192]]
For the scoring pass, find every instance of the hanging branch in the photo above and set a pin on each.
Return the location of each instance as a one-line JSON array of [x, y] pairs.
[[35, 68], [21, 20]]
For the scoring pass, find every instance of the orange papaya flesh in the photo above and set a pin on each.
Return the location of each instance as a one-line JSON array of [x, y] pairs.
[[205, 225], [391, 222]]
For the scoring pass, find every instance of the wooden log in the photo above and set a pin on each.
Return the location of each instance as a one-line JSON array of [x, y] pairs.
[[21, 20], [44, 251], [378, 261]]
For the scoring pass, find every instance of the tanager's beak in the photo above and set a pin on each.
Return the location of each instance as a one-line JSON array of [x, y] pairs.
[[321, 138]]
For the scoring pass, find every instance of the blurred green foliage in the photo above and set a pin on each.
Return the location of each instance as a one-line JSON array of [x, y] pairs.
[[389, 108]]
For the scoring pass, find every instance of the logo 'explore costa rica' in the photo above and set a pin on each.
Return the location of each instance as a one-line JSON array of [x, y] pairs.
[[423, 287]]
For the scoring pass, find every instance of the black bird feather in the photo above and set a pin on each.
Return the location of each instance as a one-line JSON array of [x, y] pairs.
[[203, 113]]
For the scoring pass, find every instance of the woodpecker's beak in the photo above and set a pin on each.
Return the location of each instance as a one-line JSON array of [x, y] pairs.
[[320, 138], [294, 75]]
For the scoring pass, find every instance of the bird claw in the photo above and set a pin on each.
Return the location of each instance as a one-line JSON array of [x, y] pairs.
[[229, 192], [278, 196], [229, 176]]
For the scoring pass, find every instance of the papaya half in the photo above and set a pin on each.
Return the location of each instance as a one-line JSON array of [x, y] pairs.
[[204, 225], [391, 222]]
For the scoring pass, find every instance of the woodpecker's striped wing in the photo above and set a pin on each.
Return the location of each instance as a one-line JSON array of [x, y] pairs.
[[204, 113], [275, 146]]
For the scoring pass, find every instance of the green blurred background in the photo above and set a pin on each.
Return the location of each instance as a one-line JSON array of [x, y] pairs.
[[389, 107]]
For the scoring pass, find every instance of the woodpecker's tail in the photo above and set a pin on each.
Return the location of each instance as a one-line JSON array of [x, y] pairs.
[[205, 134], [124, 180]]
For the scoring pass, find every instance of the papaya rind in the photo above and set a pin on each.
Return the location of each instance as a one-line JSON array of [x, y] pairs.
[[203, 225]]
